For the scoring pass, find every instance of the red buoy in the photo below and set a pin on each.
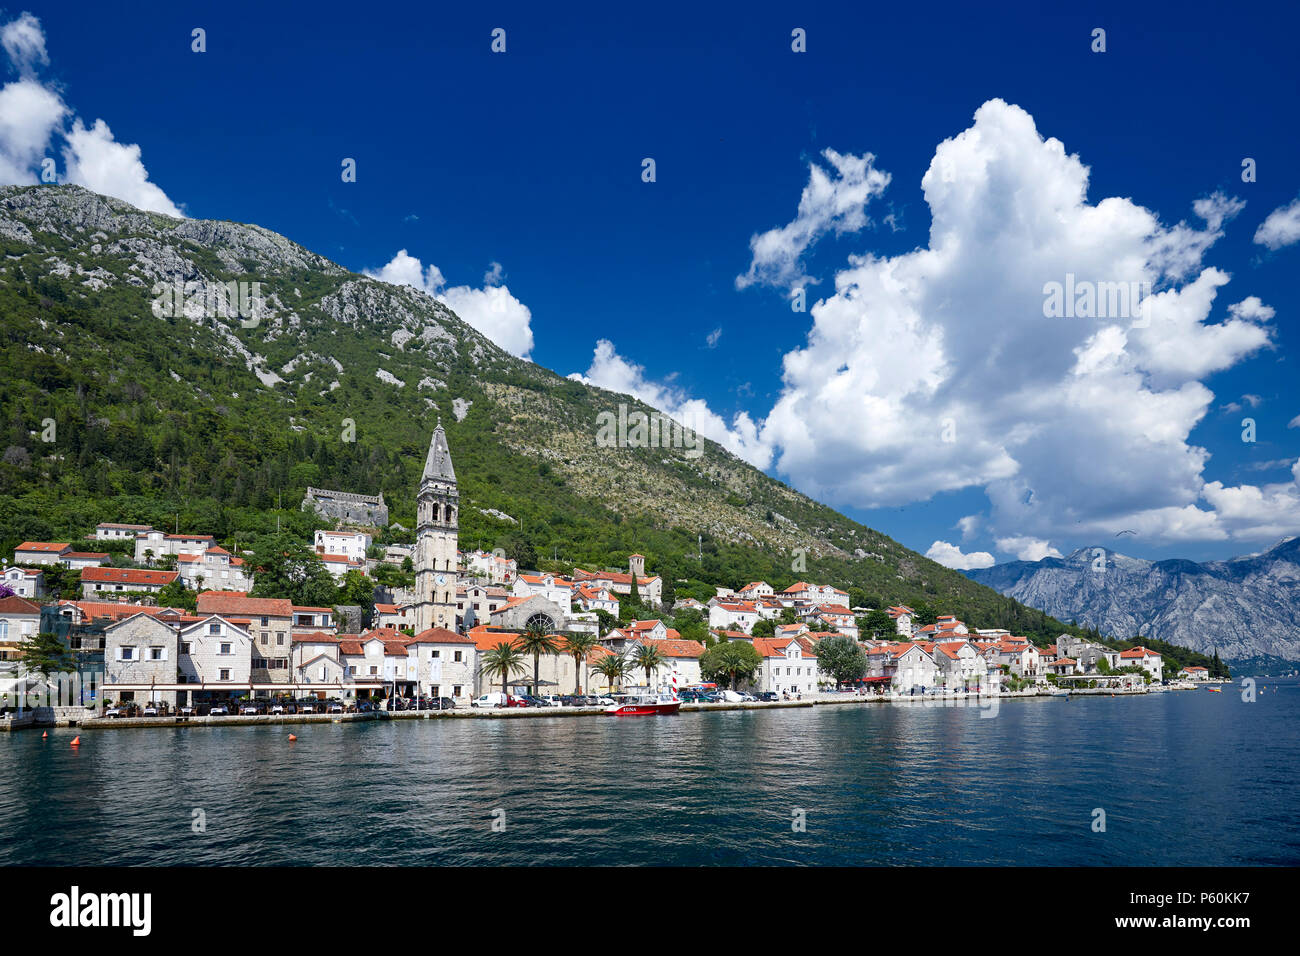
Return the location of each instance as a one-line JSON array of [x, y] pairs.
[[292, 737], [45, 734], [76, 741]]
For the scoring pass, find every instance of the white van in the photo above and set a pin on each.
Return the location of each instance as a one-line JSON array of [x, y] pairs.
[[489, 700]]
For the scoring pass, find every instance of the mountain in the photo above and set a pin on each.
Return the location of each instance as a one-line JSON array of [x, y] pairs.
[[209, 418], [1245, 607]]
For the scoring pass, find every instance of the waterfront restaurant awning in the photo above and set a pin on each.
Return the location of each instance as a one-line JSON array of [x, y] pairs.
[[873, 680], [529, 682]]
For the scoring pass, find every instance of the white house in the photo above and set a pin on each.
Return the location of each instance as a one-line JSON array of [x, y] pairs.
[[789, 665], [154, 544], [557, 590], [110, 531], [593, 598], [20, 620], [960, 665], [732, 615], [41, 552], [444, 664], [102, 582], [140, 660], [216, 653], [907, 666], [802, 591], [215, 569], [496, 568], [755, 590], [1143, 657], [904, 619], [24, 582], [350, 544], [1194, 672]]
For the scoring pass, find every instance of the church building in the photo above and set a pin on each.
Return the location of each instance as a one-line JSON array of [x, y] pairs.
[[437, 508]]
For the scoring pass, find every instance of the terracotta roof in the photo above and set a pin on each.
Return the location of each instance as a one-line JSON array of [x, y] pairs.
[[439, 635], [238, 602], [315, 637], [16, 605], [45, 547], [669, 647], [128, 576]]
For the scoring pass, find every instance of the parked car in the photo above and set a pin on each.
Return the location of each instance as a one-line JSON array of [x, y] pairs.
[[514, 701], [768, 696], [444, 703], [531, 701], [495, 699]]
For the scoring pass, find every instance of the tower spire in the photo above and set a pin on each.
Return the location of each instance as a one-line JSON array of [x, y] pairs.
[[437, 465]]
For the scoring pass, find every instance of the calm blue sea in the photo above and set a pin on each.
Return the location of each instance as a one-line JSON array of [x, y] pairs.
[[1186, 778]]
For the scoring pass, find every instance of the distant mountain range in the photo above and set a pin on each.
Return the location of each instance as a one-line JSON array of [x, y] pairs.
[[1247, 608]]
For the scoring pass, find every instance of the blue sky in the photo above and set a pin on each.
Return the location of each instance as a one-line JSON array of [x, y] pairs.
[[532, 159]]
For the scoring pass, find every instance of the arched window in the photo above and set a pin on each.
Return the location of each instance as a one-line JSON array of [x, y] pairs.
[[544, 621]]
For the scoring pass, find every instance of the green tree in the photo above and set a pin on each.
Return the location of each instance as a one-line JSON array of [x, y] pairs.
[[45, 654], [176, 594], [649, 659], [288, 568], [734, 660], [613, 667], [841, 658], [691, 625], [605, 621], [878, 625], [357, 589], [503, 660], [536, 641], [763, 628], [579, 644]]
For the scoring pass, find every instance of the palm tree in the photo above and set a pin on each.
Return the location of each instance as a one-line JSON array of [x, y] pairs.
[[612, 667], [579, 645], [537, 642], [504, 660], [648, 658]]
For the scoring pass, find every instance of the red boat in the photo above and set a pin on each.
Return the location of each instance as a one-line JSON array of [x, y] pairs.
[[644, 706]]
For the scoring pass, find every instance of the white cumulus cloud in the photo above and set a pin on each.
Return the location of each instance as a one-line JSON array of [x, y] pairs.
[[950, 556], [1028, 549], [831, 201], [1281, 227], [492, 309], [611, 371], [32, 119], [938, 369]]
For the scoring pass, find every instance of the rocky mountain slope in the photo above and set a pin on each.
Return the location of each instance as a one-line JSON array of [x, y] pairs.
[[1245, 607], [210, 418]]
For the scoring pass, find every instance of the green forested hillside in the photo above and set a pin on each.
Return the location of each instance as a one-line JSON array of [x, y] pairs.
[[206, 425]]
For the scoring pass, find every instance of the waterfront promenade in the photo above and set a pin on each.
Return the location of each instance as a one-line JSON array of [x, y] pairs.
[[85, 719]]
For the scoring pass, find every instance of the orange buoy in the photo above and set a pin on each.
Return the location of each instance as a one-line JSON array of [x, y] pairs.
[[292, 737], [45, 734], [76, 741]]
